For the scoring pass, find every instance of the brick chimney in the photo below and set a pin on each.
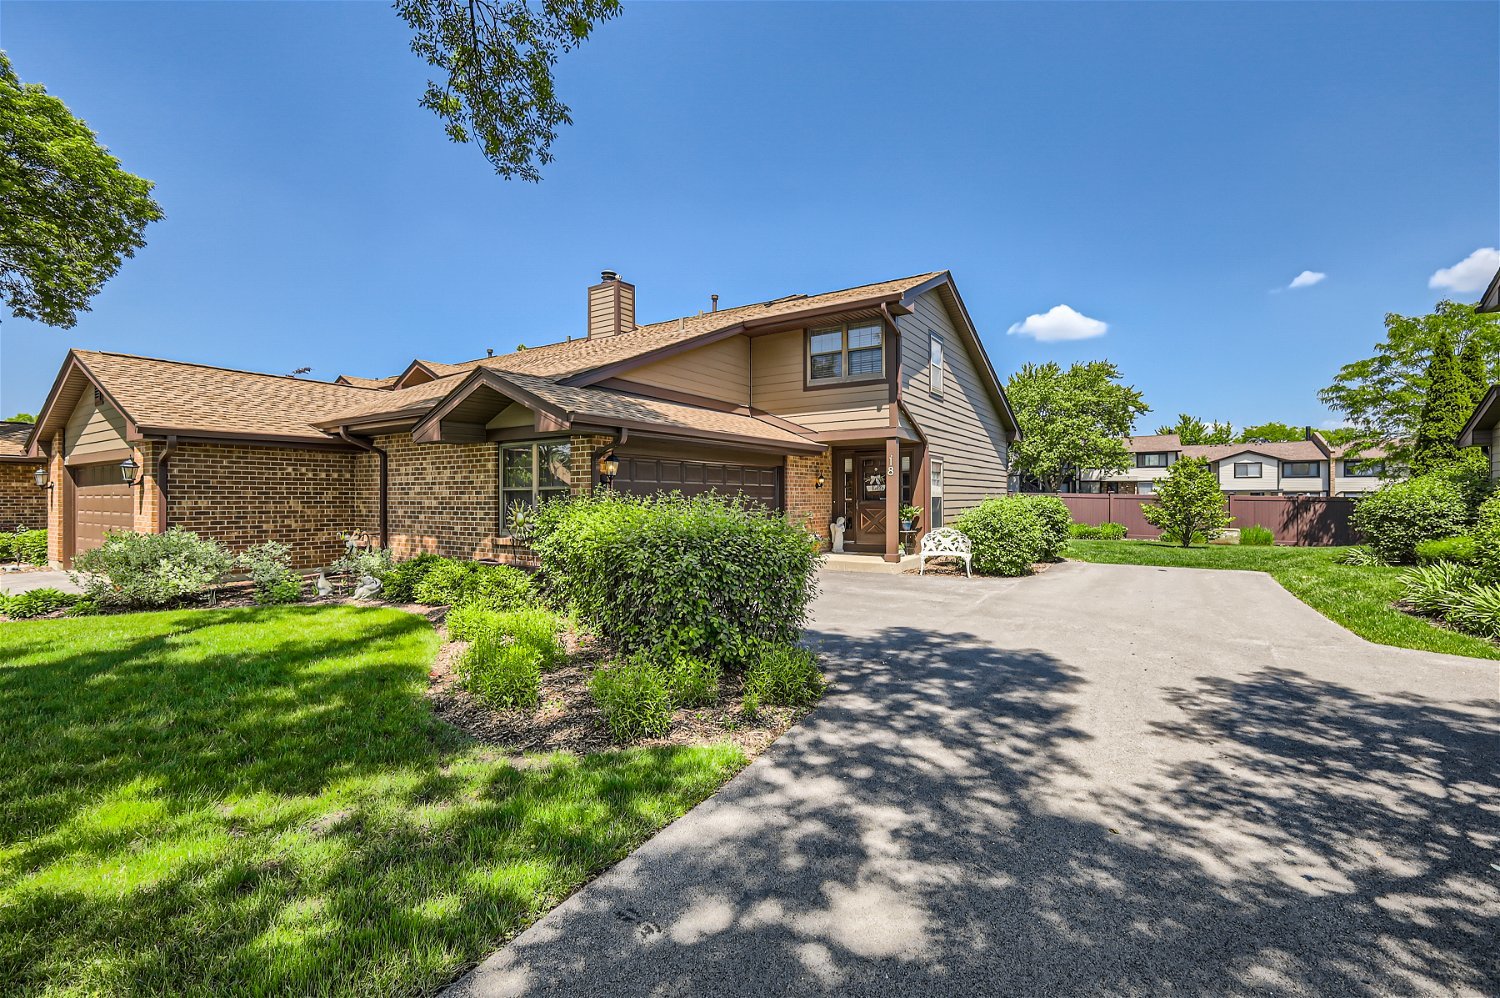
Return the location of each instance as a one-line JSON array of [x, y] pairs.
[[611, 306]]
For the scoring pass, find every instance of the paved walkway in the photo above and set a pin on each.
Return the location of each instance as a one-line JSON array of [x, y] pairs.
[[20, 582], [1106, 779]]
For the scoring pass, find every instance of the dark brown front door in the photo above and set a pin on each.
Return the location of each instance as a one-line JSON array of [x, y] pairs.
[[102, 503], [869, 505]]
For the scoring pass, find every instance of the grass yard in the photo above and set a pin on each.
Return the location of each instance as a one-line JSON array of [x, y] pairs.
[[259, 801], [1358, 597]]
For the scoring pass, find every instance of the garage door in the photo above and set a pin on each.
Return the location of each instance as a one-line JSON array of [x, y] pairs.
[[646, 475], [101, 503]]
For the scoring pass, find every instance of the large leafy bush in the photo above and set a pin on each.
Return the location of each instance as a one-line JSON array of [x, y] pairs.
[[1397, 517], [1012, 533], [147, 570], [1487, 541], [1461, 549], [399, 582], [703, 577]]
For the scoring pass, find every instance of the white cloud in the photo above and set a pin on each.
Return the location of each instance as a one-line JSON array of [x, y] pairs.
[[1306, 279], [1472, 273], [1059, 323]]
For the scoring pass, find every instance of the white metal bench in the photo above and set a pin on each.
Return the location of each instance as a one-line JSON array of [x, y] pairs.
[[946, 542]]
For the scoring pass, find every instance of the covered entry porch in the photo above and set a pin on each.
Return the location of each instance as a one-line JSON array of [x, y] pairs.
[[873, 478]]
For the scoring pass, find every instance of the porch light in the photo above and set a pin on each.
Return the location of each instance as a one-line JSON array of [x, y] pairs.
[[609, 467], [40, 475], [820, 482], [128, 468]]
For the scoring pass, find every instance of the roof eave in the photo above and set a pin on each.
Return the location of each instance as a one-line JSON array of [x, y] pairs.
[[1486, 414]]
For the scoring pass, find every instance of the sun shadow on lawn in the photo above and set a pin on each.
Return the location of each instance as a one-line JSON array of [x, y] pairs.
[[929, 830]]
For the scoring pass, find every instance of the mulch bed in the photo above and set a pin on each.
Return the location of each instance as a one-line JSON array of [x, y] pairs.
[[568, 721]]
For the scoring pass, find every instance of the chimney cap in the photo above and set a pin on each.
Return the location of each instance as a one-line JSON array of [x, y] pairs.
[[608, 275]]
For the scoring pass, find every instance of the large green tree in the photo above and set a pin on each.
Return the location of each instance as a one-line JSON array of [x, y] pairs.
[[1272, 432], [1192, 430], [495, 60], [1445, 409], [1472, 366], [1071, 419], [1189, 502], [69, 213], [1382, 396], [22, 417]]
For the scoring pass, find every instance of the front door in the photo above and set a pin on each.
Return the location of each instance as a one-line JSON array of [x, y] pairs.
[[869, 504]]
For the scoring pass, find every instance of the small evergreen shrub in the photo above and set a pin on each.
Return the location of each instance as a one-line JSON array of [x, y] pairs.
[[399, 582], [1395, 518], [269, 566], [151, 570], [1461, 549], [36, 602], [1101, 532], [1011, 534], [502, 673], [456, 583], [1257, 536], [785, 674], [692, 682], [634, 699]]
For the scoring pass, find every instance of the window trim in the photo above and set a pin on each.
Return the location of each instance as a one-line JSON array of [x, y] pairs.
[[1316, 472], [503, 528], [934, 491], [937, 359], [1166, 457], [1259, 466], [844, 380]]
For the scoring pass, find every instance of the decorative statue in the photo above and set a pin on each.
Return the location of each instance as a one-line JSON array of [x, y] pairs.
[[368, 587], [325, 588], [836, 531]]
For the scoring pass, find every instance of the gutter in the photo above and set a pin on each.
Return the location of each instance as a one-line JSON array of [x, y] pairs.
[[379, 452], [161, 483]]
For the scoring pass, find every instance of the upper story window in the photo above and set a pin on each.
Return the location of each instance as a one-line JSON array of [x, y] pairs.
[[848, 353], [935, 364], [1364, 469], [1247, 469], [532, 473], [1300, 469], [1152, 460]]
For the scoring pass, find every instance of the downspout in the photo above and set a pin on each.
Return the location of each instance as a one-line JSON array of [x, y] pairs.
[[379, 452], [161, 483]]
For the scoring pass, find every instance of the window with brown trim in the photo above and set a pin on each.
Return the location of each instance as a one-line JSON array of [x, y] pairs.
[[531, 473], [852, 352], [935, 492]]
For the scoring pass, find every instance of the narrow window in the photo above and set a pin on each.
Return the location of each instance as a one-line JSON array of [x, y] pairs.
[[935, 363], [935, 515]]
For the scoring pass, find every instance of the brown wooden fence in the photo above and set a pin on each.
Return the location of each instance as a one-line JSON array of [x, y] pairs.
[[1303, 521]]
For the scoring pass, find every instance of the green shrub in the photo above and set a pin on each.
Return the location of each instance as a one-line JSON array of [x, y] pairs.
[[1102, 532], [1476, 609], [692, 682], [36, 602], [456, 583], [502, 673], [785, 674], [1189, 504], [1470, 475], [147, 570], [1487, 541], [269, 566], [704, 577], [29, 547], [399, 582], [534, 628], [1461, 549], [1255, 536], [356, 563], [1011, 534], [1397, 517], [634, 699], [1431, 588]]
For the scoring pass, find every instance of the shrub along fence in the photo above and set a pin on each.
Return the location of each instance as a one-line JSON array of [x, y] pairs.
[[1303, 521]]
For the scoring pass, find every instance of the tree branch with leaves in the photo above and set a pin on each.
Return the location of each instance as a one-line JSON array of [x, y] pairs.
[[1071, 420]]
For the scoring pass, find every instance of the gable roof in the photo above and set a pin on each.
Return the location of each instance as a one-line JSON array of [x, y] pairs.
[[1286, 450], [13, 437], [1490, 302], [1153, 443], [358, 382], [1486, 416]]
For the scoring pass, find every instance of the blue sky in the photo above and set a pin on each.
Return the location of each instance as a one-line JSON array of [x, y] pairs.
[[1166, 170]]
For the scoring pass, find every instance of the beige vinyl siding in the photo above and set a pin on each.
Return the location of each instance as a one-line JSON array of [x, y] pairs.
[[963, 425], [776, 364], [94, 430], [718, 371]]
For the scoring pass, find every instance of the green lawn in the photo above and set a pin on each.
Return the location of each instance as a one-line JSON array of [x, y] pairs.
[[258, 801], [1358, 597]]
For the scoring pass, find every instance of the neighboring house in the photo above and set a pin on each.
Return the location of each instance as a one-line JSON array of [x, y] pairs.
[[22, 503], [1301, 467], [846, 403], [1483, 428]]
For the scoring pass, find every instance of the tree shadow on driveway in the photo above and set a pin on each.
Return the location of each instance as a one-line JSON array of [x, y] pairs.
[[942, 824]]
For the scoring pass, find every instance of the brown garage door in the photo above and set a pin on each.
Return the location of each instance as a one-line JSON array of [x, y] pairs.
[[102, 502], [646, 475]]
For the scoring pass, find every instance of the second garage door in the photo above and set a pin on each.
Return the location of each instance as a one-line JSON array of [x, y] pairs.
[[647, 475], [101, 503]]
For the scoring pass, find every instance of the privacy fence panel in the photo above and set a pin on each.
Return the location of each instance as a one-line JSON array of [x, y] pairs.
[[1303, 521]]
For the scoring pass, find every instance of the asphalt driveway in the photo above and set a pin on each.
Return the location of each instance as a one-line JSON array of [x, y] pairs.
[[1105, 779]]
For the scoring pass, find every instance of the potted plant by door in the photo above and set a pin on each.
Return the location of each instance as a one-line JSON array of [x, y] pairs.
[[909, 515]]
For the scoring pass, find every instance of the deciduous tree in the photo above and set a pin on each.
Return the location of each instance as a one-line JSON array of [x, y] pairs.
[[1071, 419], [1272, 432], [1192, 430], [1189, 502], [69, 213]]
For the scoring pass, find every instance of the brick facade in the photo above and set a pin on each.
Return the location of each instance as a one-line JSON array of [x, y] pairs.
[[55, 472], [22, 504], [806, 504], [241, 495], [443, 498]]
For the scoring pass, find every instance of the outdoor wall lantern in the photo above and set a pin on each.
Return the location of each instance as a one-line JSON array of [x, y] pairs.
[[41, 478], [609, 467], [820, 482], [128, 468]]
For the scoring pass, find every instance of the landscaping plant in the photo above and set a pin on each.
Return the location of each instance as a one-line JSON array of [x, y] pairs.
[[692, 682], [1189, 502], [634, 698], [1101, 532], [1395, 518], [151, 570], [706, 577], [1487, 541], [784, 674], [1012, 533], [1461, 549], [534, 629], [1431, 589], [28, 547], [455, 583], [1257, 536], [501, 672], [36, 602], [398, 583], [269, 566]]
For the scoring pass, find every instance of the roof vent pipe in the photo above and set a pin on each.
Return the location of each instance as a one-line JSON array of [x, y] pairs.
[[715, 299]]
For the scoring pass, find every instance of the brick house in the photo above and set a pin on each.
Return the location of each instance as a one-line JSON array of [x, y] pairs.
[[22, 504], [848, 403]]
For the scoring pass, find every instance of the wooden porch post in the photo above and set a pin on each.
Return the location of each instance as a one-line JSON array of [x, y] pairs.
[[892, 499]]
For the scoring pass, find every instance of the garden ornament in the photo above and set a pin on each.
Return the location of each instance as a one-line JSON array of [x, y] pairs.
[[368, 587], [325, 588], [836, 531]]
